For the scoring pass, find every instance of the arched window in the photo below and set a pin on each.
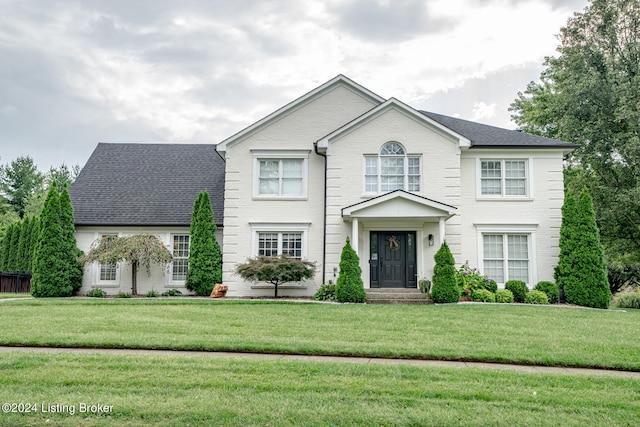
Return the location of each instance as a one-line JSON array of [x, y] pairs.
[[392, 169]]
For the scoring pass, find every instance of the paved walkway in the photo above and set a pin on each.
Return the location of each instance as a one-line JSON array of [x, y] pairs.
[[340, 359]]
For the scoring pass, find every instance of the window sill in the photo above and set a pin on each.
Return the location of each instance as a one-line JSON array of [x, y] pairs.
[[504, 199], [108, 284], [281, 198]]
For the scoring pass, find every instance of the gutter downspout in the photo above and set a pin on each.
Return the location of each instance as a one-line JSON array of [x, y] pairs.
[[324, 217]]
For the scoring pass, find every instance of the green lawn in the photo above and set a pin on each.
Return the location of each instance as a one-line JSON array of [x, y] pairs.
[[189, 391], [501, 333]]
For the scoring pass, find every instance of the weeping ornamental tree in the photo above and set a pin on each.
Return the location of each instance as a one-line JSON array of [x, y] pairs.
[[137, 250], [205, 258], [445, 289], [349, 286], [276, 270]]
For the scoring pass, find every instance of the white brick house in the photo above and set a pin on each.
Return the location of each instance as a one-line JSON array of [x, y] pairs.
[[343, 162]]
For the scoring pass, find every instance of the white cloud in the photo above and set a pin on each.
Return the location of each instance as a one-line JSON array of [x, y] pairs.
[[483, 111]]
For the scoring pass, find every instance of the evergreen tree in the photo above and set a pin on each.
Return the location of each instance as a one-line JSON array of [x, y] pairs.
[[71, 253], [564, 272], [205, 257], [50, 274], [25, 234], [33, 242], [445, 289], [589, 286], [349, 286], [12, 263]]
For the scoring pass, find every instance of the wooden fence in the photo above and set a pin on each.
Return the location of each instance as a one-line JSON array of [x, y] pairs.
[[15, 281]]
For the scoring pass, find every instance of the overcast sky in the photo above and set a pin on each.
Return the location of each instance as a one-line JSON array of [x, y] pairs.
[[75, 73]]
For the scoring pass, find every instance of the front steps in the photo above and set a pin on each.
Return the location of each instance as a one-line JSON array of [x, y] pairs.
[[396, 296]]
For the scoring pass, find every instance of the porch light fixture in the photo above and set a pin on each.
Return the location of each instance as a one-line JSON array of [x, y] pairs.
[[431, 242]]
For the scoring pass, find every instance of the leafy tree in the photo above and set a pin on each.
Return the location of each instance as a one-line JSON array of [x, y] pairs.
[[71, 253], [137, 250], [588, 286], [349, 286], [590, 94], [205, 258], [445, 289], [18, 180], [276, 270], [7, 215], [50, 274]]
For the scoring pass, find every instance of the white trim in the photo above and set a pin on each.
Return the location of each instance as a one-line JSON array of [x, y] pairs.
[[528, 164], [169, 282], [356, 210], [504, 229], [292, 227], [406, 156], [259, 155]]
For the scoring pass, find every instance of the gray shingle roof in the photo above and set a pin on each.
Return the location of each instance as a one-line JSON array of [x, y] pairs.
[[486, 136], [147, 184]]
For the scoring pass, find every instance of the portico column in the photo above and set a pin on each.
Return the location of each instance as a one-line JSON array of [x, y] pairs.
[[354, 234], [441, 230]]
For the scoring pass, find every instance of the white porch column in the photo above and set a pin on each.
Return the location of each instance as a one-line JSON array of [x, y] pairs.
[[354, 234], [441, 230]]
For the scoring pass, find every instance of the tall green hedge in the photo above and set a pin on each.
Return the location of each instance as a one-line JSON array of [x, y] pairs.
[[50, 273], [205, 257], [445, 289], [71, 253], [588, 285], [349, 286]]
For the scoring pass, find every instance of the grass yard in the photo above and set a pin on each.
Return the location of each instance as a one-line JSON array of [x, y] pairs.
[[189, 391], [542, 335]]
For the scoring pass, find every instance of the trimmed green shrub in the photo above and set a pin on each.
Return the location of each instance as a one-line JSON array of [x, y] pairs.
[[123, 295], [172, 293], [326, 293], [71, 253], [152, 294], [628, 299], [518, 288], [205, 258], [96, 293], [445, 289], [349, 286], [536, 297], [482, 295], [50, 273], [550, 289], [504, 296], [581, 272]]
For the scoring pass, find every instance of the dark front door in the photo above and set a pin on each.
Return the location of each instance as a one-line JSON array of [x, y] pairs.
[[393, 259]]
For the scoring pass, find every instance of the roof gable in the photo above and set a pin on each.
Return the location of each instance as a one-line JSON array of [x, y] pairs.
[[399, 204], [339, 80], [147, 184], [393, 103]]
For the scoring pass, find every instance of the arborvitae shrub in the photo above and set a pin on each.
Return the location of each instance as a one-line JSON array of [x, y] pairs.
[[550, 289], [445, 289], [71, 254], [504, 296], [536, 297], [588, 284], [518, 288], [482, 295], [205, 257], [349, 286]]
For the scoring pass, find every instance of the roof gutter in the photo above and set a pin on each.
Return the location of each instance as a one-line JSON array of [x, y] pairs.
[[324, 216]]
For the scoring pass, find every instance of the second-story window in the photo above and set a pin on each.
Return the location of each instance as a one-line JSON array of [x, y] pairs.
[[392, 169]]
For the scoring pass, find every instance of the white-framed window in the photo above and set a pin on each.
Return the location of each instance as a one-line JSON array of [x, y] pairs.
[[392, 169], [280, 239], [279, 174], [504, 178], [507, 252], [180, 252], [108, 273]]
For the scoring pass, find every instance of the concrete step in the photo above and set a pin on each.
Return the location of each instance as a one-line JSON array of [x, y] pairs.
[[396, 296]]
